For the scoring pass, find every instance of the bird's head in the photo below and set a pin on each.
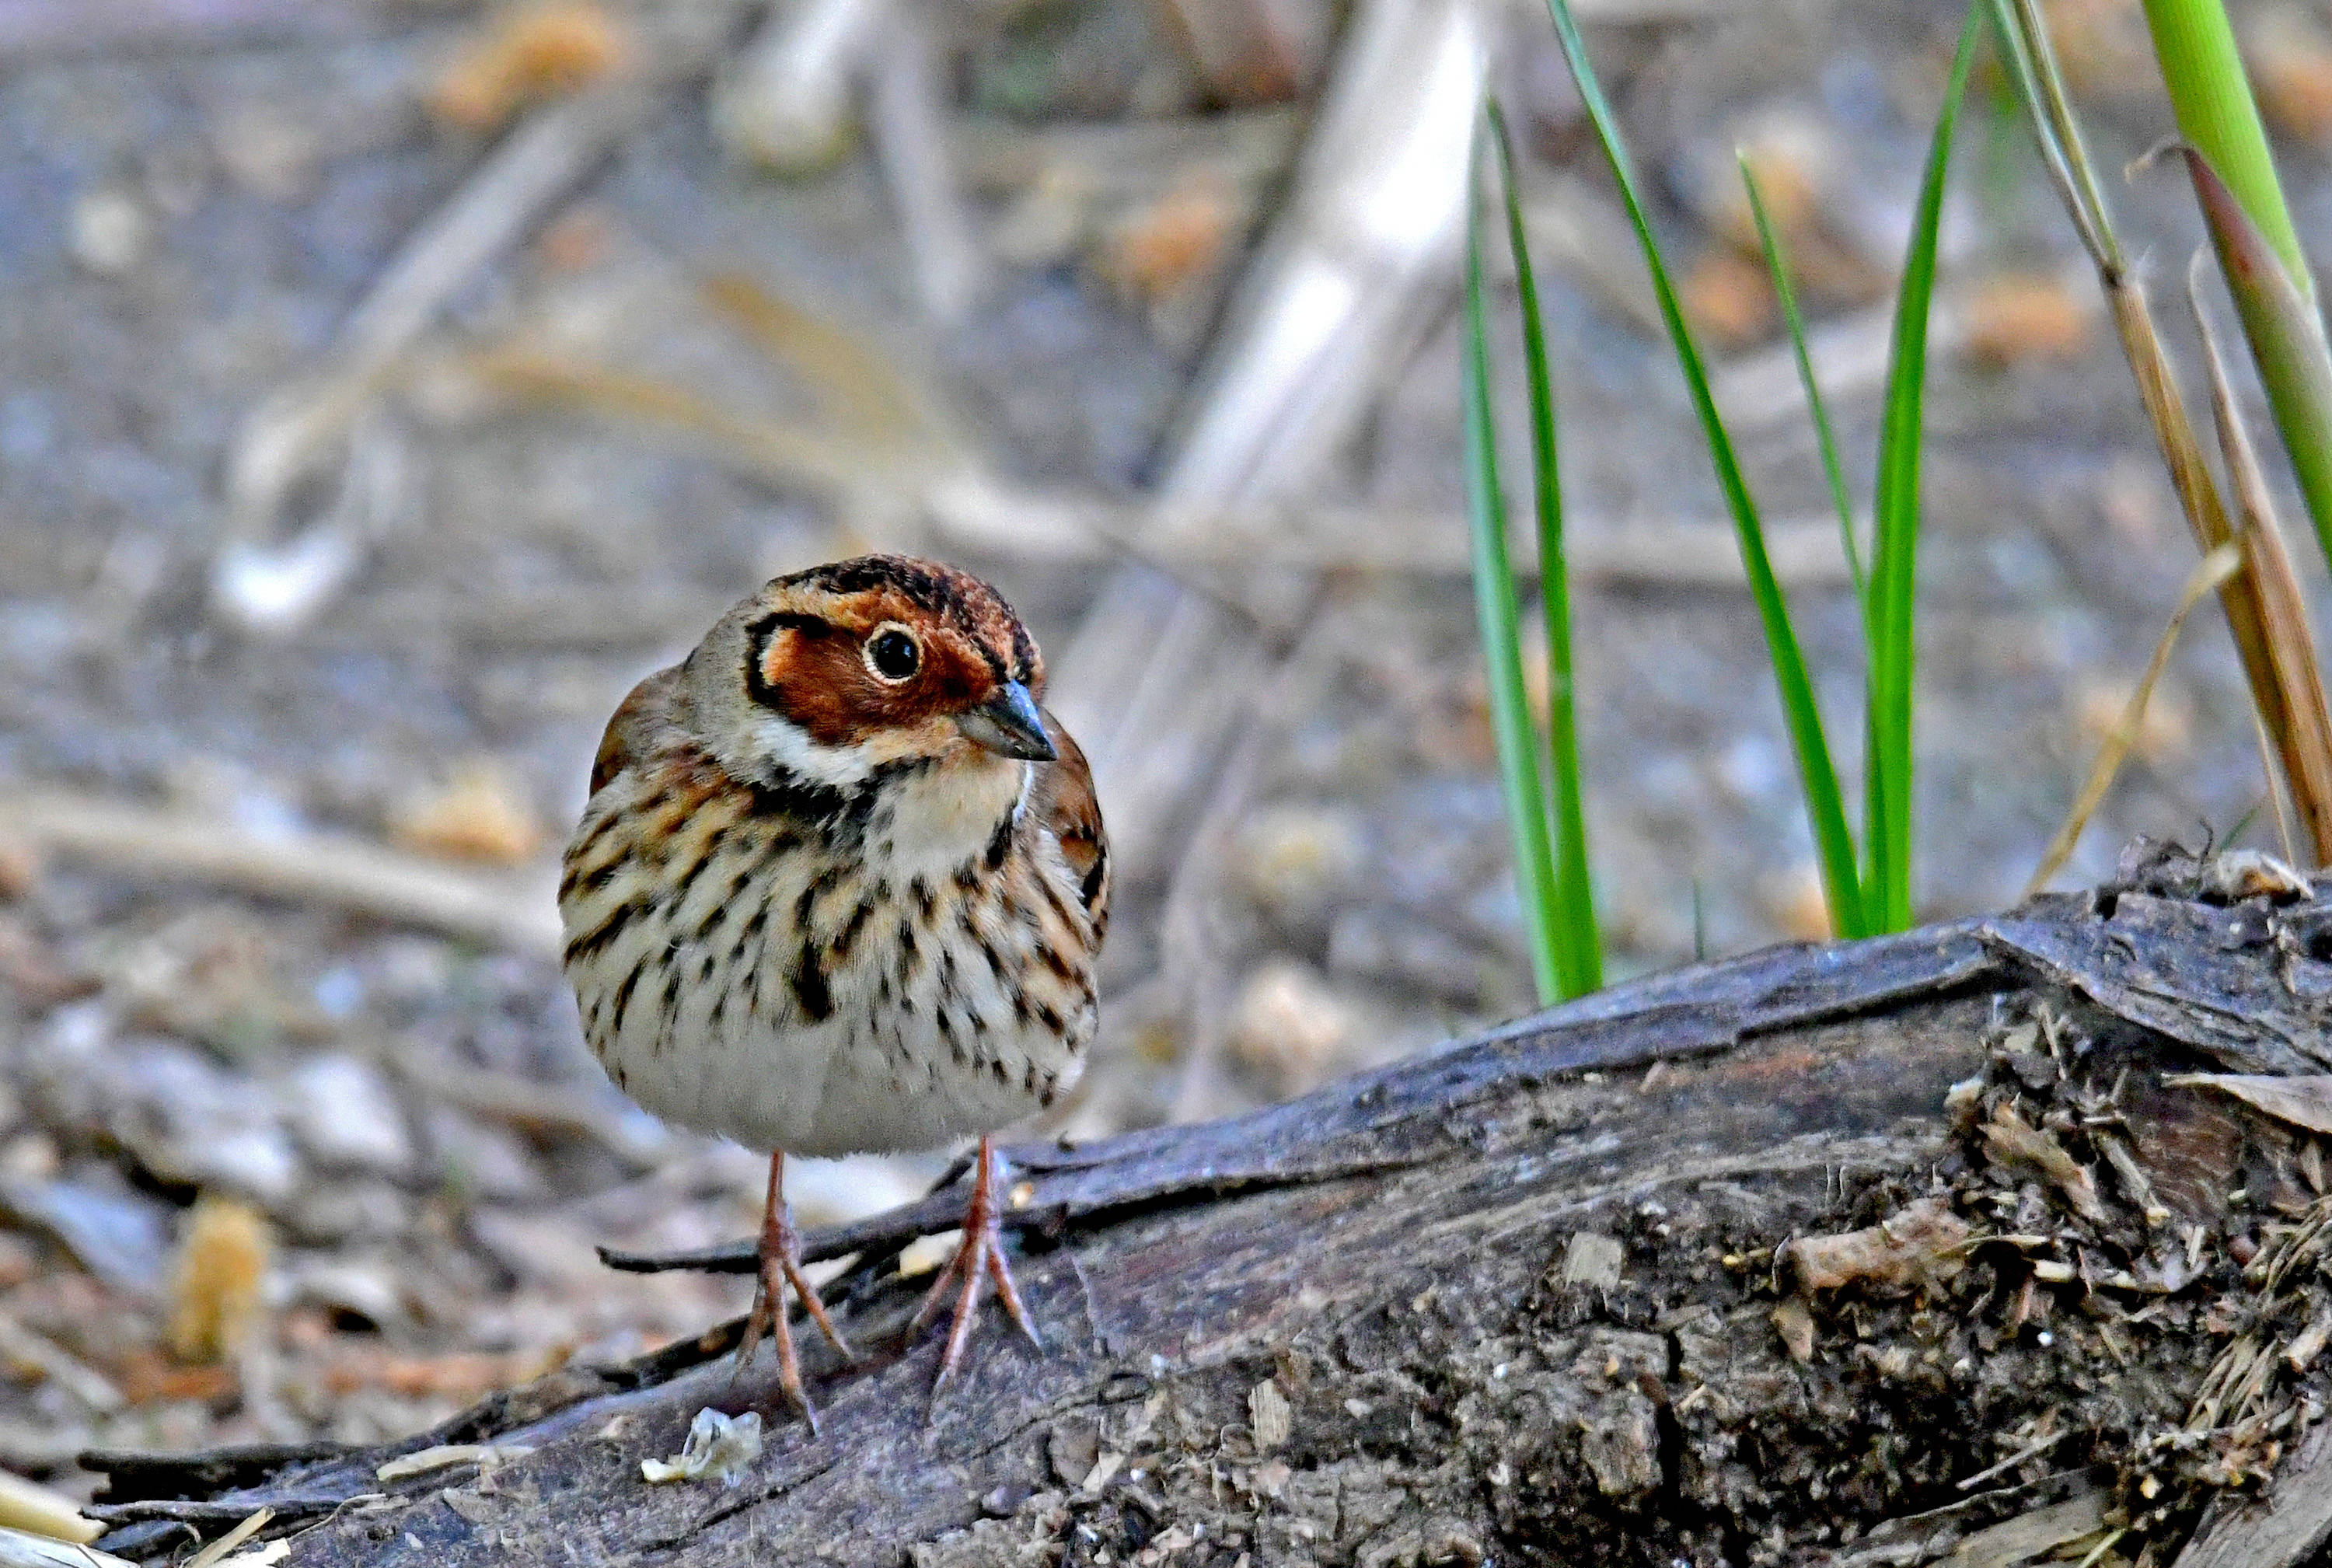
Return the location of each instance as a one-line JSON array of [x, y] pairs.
[[831, 674]]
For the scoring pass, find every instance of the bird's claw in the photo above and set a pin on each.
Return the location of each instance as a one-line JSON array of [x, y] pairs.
[[978, 1262]]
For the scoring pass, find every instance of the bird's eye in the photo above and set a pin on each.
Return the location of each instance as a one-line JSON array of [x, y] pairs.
[[893, 656]]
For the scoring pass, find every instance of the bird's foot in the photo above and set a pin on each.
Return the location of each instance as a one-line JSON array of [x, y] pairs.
[[781, 1266], [978, 1262]]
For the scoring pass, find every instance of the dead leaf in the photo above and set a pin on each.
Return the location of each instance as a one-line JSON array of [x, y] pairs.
[[1920, 1244], [480, 815], [216, 1291], [2302, 1101], [2017, 1142], [531, 54]]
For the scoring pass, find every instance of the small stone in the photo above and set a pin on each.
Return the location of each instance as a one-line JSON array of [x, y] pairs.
[[1295, 860], [178, 1114], [333, 1213], [1290, 1024], [480, 1161], [1621, 1444], [119, 1235], [347, 1117], [267, 152], [364, 1289], [1070, 1449], [1003, 1502], [109, 232]]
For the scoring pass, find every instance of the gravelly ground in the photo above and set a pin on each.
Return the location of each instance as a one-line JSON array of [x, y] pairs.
[[183, 230]]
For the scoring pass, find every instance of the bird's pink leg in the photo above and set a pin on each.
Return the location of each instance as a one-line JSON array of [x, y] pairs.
[[977, 1262], [780, 1266]]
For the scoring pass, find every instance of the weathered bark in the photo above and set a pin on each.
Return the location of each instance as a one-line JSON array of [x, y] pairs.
[[1533, 1299]]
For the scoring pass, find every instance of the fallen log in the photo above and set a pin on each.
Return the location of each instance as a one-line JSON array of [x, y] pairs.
[[1888, 1253]]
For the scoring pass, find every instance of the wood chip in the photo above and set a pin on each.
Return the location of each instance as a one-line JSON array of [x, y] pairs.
[[1593, 1261], [2309, 1342], [2030, 1535], [1269, 1415], [445, 1456], [217, 1550], [1794, 1322]]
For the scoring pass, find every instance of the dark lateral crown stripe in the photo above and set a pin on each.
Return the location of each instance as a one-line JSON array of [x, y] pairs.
[[947, 594]]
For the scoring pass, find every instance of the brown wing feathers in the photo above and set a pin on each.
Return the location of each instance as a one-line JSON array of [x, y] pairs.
[[1074, 815]]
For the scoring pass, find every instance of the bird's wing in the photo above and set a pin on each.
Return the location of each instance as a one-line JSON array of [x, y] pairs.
[[1069, 807]]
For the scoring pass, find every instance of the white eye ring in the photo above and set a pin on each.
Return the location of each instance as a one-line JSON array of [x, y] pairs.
[[893, 635]]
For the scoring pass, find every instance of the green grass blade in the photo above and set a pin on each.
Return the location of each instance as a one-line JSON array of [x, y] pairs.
[[1833, 842], [2218, 117], [1886, 797], [1778, 264], [1579, 954], [1493, 604]]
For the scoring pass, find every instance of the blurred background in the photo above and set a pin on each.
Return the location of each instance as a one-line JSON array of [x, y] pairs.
[[386, 385]]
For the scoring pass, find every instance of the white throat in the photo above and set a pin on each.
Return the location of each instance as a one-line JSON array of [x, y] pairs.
[[934, 820], [788, 746]]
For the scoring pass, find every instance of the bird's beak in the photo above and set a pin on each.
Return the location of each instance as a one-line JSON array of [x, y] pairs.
[[1008, 724]]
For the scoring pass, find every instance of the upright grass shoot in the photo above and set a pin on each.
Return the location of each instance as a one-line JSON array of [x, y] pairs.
[[1777, 265], [1861, 901], [1580, 957], [1501, 628], [1895, 534]]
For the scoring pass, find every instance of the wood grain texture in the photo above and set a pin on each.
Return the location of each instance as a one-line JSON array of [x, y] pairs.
[[1364, 1327]]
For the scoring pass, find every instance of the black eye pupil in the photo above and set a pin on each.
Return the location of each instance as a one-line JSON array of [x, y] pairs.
[[894, 655]]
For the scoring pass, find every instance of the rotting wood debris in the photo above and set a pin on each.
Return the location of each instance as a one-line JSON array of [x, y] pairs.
[[1927, 1249]]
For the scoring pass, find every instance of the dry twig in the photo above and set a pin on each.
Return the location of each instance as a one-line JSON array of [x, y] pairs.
[[137, 840]]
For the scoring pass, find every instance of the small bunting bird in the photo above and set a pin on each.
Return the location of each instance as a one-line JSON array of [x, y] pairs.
[[840, 887]]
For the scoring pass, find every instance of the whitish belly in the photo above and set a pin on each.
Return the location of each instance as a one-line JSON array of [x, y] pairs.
[[905, 1028]]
